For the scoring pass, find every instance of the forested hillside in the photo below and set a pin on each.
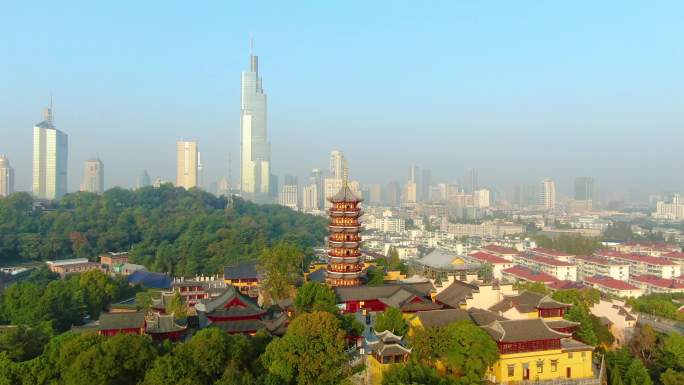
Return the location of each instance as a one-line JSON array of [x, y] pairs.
[[167, 229]]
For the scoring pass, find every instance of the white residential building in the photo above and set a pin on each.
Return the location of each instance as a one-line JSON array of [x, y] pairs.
[[614, 287], [310, 198], [6, 177], [93, 176], [186, 164], [561, 270], [645, 265], [589, 266], [547, 197], [673, 211]]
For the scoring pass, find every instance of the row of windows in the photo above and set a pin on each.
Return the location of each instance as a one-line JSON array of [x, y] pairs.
[[539, 364]]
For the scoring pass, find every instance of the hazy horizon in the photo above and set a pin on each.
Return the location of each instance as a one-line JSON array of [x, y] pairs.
[[519, 91]]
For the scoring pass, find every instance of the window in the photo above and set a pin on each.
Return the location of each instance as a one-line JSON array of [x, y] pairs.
[[540, 367], [570, 356], [584, 355], [511, 370], [554, 365]]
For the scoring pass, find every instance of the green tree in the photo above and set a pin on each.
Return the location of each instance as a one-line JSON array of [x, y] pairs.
[[314, 296], [282, 267], [119, 360], [177, 306], [535, 287], [310, 352], [671, 351], [643, 344], [98, 291], [412, 373], [375, 277], [637, 373], [463, 347], [391, 319], [585, 332], [615, 377], [672, 377], [22, 343]]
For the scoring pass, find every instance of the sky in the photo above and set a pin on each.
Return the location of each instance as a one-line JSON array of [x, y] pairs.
[[520, 90]]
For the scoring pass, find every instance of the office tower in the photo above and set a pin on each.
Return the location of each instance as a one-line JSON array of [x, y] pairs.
[[584, 189], [316, 178], [310, 198], [289, 193], [6, 177], [337, 164], [331, 187], [425, 183], [223, 187], [472, 181], [93, 176], [186, 164], [393, 193], [143, 179], [547, 196], [410, 193], [414, 179], [255, 150], [481, 198], [375, 193], [50, 159], [200, 171]]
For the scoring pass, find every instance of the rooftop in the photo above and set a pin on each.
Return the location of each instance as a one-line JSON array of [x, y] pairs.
[[522, 330], [242, 270], [657, 281], [610, 283], [489, 258], [500, 249], [548, 261], [524, 273], [555, 253]]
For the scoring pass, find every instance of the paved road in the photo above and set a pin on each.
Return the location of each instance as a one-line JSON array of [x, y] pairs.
[[662, 326]]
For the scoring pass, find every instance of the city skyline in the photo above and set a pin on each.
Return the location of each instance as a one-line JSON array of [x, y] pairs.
[[561, 112]]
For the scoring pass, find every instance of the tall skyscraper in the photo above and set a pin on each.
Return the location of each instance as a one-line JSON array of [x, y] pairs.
[[425, 183], [186, 164], [393, 193], [547, 197], [143, 179], [310, 198], [584, 189], [337, 164], [255, 172], [317, 179], [6, 177], [472, 181], [50, 159], [93, 176]]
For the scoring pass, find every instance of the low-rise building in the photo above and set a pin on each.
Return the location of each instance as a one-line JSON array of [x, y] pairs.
[[244, 277], [441, 264], [524, 274], [645, 264], [560, 269], [110, 260], [498, 264], [501, 251], [650, 284], [613, 286], [622, 321], [589, 266], [65, 267]]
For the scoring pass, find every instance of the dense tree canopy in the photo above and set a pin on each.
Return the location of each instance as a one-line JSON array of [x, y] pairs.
[[282, 266], [311, 352], [462, 347], [314, 296], [413, 373], [391, 319], [167, 229]]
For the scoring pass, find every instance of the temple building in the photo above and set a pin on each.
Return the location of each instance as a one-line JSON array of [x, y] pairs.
[[345, 263]]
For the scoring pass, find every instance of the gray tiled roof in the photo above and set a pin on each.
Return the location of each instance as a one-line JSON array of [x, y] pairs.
[[122, 320]]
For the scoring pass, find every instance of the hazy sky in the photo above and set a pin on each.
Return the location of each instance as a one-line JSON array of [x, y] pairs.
[[521, 90]]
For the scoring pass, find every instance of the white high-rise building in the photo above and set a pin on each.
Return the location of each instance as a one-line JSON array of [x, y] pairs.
[[6, 177], [50, 159], [289, 193], [310, 198], [187, 159], [255, 168], [481, 198], [547, 197], [331, 186], [673, 210], [93, 176], [337, 164]]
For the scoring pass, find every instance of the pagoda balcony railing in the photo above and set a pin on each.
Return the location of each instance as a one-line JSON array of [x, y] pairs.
[[339, 237], [353, 270], [354, 254], [344, 260], [350, 214], [347, 244], [345, 222], [343, 207]]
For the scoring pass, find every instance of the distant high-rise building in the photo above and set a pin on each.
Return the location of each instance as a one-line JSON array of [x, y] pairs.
[[289, 192], [317, 179], [223, 187], [93, 176], [337, 164], [50, 159], [186, 164], [472, 181], [414, 177], [331, 186], [584, 189], [411, 192], [310, 198], [425, 183], [481, 198], [143, 179], [374, 193], [6, 177], [393, 193], [673, 210], [547, 197], [255, 168], [200, 171]]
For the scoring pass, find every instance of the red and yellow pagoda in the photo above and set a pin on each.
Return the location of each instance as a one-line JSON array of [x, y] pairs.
[[345, 262]]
